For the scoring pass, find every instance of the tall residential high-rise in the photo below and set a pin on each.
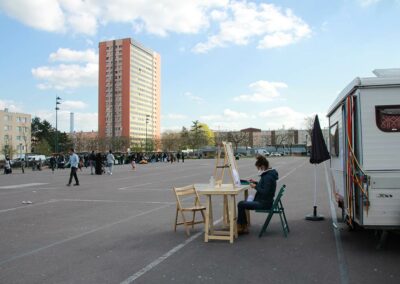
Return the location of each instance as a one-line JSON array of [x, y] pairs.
[[129, 90]]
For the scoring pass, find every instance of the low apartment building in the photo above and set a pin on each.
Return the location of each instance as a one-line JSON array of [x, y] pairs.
[[15, 133]]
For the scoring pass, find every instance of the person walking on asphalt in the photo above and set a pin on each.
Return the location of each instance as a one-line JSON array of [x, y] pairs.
[[183, 157], [73, 162], [110, 162]]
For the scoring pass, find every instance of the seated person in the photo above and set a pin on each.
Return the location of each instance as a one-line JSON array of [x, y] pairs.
[[264, 197]]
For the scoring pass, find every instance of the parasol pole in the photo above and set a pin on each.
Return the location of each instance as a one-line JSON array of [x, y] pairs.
[[314, 216]]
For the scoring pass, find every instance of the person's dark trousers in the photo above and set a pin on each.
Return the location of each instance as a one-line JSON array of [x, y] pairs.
[[247, 205], [73, 174]]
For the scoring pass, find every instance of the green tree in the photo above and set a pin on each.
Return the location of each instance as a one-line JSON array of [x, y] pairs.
[[43, 147], [210, 137], [43, 130]]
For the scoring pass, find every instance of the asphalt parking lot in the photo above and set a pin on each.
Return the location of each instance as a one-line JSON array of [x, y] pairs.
[[119, 229]]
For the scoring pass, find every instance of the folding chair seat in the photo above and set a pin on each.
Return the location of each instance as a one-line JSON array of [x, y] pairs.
[[188, 192], [277, 208]]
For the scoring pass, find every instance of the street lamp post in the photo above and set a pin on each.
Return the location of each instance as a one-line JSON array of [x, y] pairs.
[[147, 121], [58, 99]]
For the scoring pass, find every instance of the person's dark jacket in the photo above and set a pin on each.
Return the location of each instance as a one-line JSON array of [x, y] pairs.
[[266, 188]]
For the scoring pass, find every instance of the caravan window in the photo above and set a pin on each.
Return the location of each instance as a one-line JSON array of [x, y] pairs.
[[388, 118], [334, 140]]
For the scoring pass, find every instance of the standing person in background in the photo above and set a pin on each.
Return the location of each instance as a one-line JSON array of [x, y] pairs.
[[178, 156], [110, 162], [73, 162], [92, 161], [53, 163], [99, 164], [183, 157], [7, 166]]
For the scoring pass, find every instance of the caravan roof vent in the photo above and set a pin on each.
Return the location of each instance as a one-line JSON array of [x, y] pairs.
[[390, 72]]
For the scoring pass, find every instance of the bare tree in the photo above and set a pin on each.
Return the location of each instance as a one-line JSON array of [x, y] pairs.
[[170, 141], [238, 138], [266, 140], [309, 124]]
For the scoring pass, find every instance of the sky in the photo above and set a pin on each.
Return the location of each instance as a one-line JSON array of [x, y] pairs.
[[229, 64]]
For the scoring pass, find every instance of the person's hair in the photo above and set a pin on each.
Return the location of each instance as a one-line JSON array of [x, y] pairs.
[[261, 161], [110, 151], [72, 149]]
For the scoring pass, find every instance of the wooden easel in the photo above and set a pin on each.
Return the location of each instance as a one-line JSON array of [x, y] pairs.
[[228, 162]]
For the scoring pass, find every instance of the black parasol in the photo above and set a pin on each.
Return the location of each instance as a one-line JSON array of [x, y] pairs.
[[319, 153]]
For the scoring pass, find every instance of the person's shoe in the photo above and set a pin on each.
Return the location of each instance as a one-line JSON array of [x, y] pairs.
[[76, 184], [68, 184], [242, 229]]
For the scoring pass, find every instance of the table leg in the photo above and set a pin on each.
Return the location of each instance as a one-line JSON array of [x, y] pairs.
[[235, 215], [231, 218], [246, 194], [226, 211], [211, 221], [206, 225]]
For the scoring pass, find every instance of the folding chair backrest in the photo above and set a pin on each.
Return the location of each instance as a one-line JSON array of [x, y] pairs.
[[188, 190], [279, 196]]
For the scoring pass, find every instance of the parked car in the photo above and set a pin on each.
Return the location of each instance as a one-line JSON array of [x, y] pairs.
[[276, 154]]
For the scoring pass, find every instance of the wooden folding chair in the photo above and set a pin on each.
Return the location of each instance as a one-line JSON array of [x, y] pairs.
[[187, 192], [277, 208]]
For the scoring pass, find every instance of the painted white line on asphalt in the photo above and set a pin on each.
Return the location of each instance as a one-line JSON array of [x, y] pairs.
[[292, 171], [28, 205], [4, 261], [344, 275], [156, 262], [21, 185], [132, 186], [116, 201]]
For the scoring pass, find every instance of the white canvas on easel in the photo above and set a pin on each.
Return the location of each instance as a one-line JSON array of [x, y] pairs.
[[229, 162]]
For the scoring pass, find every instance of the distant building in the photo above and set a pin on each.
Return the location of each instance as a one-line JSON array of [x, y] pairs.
[[129, 91], [15, 133]]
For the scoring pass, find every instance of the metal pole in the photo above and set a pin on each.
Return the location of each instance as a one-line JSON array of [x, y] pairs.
[[56, 146], [146, 137]]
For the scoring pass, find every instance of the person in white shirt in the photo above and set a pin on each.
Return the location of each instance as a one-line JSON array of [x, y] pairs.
[[110, 162], [73, 162]]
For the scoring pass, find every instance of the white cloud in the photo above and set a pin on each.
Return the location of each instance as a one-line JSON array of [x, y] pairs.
[[41, 14], [270, 25], [69, 55], [69, 76], [175, 116], [194, 98], [84, 17], [239, 22], [73, 105], [229, 119], [83, 121], [367, 3], [262, 91], [10, 105], [66, 76], [287, 117]]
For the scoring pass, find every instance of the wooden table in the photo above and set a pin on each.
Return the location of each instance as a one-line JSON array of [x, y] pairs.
[[229, 192]]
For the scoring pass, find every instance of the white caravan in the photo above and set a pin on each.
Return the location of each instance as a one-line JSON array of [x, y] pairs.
[[364, 141]]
